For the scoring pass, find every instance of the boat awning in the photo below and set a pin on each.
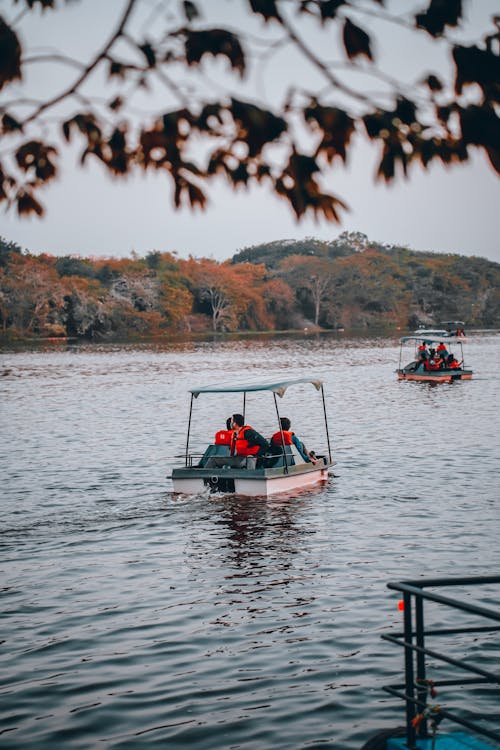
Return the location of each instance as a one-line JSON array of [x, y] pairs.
[[276, 386], [431, 339]]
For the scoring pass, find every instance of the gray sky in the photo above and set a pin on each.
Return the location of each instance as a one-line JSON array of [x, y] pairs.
[[90, 213]]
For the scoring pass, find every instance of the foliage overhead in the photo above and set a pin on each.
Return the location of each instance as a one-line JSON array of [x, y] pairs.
[[204, 132]]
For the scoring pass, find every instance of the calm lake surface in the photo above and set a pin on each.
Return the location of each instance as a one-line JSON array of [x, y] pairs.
[[133, 618]]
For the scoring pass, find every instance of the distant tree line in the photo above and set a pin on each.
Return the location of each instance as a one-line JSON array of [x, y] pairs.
[[348, 283]]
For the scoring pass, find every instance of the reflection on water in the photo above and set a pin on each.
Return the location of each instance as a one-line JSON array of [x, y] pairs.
[[132, 617]]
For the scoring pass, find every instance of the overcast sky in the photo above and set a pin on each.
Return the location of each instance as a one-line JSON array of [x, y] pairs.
[[89, 213]]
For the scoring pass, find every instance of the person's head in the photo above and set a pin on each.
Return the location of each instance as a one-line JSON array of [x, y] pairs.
[[229, 423], [285, 423], [239, 420]]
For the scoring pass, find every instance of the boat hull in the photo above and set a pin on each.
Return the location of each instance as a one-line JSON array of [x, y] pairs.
[[436, 377], [249, 482]]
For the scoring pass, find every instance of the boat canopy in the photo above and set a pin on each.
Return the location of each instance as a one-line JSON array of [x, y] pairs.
[[276, 386], [431, 339]]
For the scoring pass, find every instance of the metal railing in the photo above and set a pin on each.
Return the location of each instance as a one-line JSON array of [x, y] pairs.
[[414, 639]]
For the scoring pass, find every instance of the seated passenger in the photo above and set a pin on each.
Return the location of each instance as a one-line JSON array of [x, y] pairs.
[[286, 437], [452, 363], [226, 437], [247, 441], [441, 350], [430, 364], [422, 351]]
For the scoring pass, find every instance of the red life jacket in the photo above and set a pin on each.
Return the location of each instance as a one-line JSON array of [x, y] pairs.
[[287, 438], [224, 437], [454, 364], [242, 446]]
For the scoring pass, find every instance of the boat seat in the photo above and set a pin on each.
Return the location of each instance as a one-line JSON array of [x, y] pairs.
[[293, 457], [219, 462], [214, 450]]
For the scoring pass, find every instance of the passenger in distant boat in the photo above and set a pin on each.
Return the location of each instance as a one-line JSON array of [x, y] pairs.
[[247, 442], [431, 364], [422, 351], [452, 363], [286, 437], [460, 332]]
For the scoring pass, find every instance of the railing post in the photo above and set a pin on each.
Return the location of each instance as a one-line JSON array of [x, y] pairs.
[[421, 675], [411, 734]]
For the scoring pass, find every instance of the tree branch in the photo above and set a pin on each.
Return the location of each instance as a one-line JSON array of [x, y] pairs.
[[88, 70]]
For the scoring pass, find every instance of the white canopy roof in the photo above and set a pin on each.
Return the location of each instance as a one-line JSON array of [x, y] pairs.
[[276, 386]]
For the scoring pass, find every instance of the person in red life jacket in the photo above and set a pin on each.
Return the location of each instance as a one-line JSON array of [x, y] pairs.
[[452, 363], [287, 437], [248, 442], [431, 364], [227, 436], [422, 354], [442, 350]]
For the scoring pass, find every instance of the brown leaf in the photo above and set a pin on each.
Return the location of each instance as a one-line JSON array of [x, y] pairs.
[[257, 126], [356, 41], [149, 53], [433, 83], [439, 14], [481, 127], [36, 156], [10, 124], [328, 9], [337, 129], [475, 65], [190, 10], [266, 8], [10, 55], [27, 205], [214, 42]]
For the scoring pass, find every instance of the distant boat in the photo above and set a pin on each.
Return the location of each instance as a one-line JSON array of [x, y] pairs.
[[219, 471], [429, 368], [454, 328]]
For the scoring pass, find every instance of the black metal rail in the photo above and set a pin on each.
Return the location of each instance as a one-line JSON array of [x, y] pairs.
[[415, 689]]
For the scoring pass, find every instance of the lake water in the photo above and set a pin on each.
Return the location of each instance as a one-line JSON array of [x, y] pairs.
[[132, 618]]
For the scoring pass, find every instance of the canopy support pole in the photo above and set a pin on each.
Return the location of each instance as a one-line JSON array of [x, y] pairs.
[[326, 424], [189, 429]]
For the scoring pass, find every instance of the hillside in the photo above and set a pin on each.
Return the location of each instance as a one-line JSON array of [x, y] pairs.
[[348, 283]]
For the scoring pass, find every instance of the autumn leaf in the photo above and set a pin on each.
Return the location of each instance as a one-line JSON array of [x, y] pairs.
[[148, 51], [356, 41], [36, 156], [214, 42], [337, 129], [190, 10], [481, 127], [27, 205], [257, 126], [266, 8], [10, 55], [439, 14], [475, 65], [10, 124]]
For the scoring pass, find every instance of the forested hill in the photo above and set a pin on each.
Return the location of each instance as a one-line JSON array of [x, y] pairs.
[[349, 283]]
